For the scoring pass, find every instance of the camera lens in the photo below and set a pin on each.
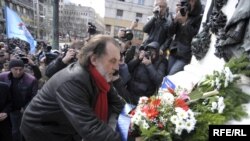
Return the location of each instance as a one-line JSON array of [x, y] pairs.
[[156, 12], [129, 35], [183, 11]]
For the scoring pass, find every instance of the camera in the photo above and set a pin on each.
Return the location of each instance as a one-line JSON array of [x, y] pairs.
[[156, 12], [65, 50], [25, 60], [91, 28], [50, 57], [128, 36], [148, 54], [185, 6]]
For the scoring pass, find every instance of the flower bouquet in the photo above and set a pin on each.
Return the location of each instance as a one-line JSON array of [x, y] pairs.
[[164, 116]]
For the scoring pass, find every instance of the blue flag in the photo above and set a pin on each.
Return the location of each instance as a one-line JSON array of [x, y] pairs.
[[124, 121], [15, 28], [167, 84]]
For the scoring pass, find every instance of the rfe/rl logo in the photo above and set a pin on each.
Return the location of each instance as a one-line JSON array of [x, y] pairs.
[[235, 132], [229, 132]]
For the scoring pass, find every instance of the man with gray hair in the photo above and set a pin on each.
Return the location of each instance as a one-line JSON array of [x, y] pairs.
[[79, 99], [158, 27]]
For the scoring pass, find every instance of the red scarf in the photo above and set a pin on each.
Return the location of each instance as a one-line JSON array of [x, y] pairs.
[[101, 107]]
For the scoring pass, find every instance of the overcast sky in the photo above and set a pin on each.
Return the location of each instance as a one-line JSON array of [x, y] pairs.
[[98, 5]]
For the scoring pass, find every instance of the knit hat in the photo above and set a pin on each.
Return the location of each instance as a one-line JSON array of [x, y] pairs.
[[16, 63]]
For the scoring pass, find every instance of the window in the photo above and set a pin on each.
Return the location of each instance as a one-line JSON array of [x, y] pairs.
[[138, 16], [141, 2], [119, 13]]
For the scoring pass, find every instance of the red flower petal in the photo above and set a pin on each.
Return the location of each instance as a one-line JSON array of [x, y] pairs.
[[181, 103]]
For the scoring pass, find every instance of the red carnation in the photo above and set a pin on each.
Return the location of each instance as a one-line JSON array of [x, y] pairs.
[[181, 103]]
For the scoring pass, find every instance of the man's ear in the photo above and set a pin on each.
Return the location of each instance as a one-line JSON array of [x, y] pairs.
[[93, 60]]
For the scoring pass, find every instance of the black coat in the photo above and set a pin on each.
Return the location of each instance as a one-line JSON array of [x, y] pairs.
[[55, 66], [26, 89], [5, 98], [158, 29], [145, 80], [64, 107]]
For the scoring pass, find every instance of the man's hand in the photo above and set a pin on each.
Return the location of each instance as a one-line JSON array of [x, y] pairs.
[[141, 54], [134, 24], [146, 61], [179, 18], [156, 11], [69, 55], [30, 61], [3, 116]]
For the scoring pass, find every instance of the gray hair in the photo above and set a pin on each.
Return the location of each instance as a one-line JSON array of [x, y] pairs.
[[96, 45]]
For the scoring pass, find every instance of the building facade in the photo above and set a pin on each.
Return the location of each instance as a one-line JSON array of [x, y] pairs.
[[41, 18], [74, 19], [121, 13]]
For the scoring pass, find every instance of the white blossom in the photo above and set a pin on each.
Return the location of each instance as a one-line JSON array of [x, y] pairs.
[[143, 100], [178, 131], [167, 98], [174, 119], [214, 106], [189, 125], [221, 105]]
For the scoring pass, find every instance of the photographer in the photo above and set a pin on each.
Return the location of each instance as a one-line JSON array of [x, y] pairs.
[[69, 56], [158, 26], [147, 72], [185, 26], [91, 31]]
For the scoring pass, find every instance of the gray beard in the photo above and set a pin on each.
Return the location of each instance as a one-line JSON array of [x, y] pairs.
[[101, 70]]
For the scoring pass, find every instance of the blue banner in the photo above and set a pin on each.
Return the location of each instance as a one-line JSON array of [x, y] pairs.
[[124, 121], [167, 84], [15, 28]]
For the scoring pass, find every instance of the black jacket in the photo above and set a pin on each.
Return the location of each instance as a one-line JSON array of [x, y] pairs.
[[55, 66], [158, 29], [25, 89], [64, 107], [5, 98], [145, 80]]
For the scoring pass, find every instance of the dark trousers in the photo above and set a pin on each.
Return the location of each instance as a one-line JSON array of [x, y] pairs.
[[16, 118], [5, 130]]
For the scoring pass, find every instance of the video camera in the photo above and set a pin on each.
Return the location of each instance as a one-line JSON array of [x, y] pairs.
[[128, 35], [50, 57], [22, 57], [148, 53], [91, 28], [185, 6]]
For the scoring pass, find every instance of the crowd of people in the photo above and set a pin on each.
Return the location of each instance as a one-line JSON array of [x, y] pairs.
[[76, 93]]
